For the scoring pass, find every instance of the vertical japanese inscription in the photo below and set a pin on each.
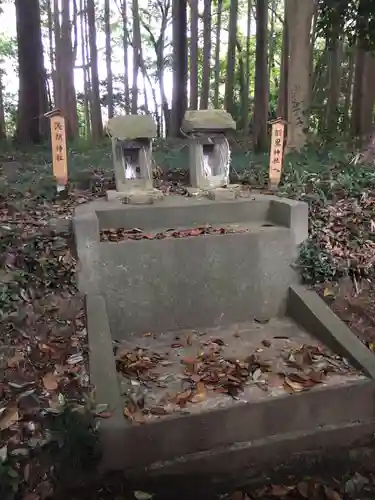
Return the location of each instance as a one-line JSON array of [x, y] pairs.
[[58, 142], [276, 154]]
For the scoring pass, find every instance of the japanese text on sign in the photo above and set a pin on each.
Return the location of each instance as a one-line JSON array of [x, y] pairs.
[[276, 154], [58, 140]]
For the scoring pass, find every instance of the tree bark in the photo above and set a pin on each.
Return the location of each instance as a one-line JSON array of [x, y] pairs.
[[246, 111], [282, 98], [193, 54], [231, 58], [206, 70], [179, 97], [217, 52], [96, 112], [261, 79], [334, 79], [32, 103], [108, 57], [299, 19]]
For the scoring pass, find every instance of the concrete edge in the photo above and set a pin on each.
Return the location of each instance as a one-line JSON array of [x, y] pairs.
[[170, 438], [103, 374], [251, 463], [292, 214], [309, 310]]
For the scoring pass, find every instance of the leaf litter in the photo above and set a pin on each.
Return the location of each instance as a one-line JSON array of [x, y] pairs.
[[189, 371]]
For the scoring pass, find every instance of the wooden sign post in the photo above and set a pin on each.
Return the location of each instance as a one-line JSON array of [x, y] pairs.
[[59, 151], [277, 152]]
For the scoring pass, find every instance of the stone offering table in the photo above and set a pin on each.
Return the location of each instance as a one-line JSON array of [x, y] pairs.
[[209, 152], [131, 137]]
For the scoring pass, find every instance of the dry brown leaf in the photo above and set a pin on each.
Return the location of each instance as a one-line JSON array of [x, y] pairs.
[[200, 393], [50, 382], [331, 494], [136, 417], [279, 490], [182, 398], [294, 386], [10, 417], [15, 360]]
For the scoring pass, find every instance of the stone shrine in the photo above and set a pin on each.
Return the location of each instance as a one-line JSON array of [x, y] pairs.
[[131, 137], [209, 151]]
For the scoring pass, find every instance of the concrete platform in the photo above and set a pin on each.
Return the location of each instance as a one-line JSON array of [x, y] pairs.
[[232, 300]]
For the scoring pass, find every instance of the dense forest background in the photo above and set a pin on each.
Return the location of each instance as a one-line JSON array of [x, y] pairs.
[[309, 62]]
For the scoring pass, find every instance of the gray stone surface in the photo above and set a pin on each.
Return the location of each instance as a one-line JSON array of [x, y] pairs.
[[245, 271], [136, 197], [132, 127], [309, 310], [173, 283], [207, 120], [223, 194]]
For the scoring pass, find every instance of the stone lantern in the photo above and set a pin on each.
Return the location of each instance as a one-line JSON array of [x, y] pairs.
[[131, 137], [209, 151]]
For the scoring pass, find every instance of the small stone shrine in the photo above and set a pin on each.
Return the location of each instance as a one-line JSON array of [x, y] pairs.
[[132, 158], [209, 151]]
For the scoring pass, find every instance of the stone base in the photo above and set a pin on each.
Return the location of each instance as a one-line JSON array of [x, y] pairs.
[[140, 197], [224, 193]]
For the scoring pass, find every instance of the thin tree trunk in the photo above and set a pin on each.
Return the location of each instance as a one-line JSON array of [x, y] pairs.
[[125, 47], [85, 65], [206, 71], [246, 111], [193, 54], [348, 90], [261, 79], [179, 97], [50, 48], [136, 42], [231, 57], [108, 57], [282, 98], [217, 52], [334, 79], [96, 112]]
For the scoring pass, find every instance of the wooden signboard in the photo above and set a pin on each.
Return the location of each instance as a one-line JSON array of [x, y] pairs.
[[59, 151], [277, 152]]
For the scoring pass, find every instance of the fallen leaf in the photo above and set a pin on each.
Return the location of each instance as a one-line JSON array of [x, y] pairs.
[[9, 418], [159, 410], [294, 386], [50, 382], [142, 495], [15, 360], [279, 491], [200, 393], [331, 494], [136, 416], [303, 489]]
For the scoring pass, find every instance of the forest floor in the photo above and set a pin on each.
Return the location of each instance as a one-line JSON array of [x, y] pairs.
[[47, 412]]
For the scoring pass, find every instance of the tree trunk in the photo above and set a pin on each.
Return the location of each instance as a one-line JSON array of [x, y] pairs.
[[217, 52], [3, 134], [299, 19], [334, 80], [282, 98], [206, 71], [68, 103], [136, 49], [261, 79], [245, 111], [50, 49], [368, 102], [96, 112], [85, 66], [357, 105], [179, 97], [231, 58], [125, 46], [108, 57], [348, 90], [193, 80], [32, 102]]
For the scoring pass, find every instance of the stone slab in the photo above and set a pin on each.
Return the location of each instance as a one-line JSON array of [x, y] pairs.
[[310, 311], [140, 197], [215, 120], [223, 194], [132, 127]]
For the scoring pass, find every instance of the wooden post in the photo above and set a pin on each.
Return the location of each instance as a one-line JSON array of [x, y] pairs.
[[59, 150], [277, 152]]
